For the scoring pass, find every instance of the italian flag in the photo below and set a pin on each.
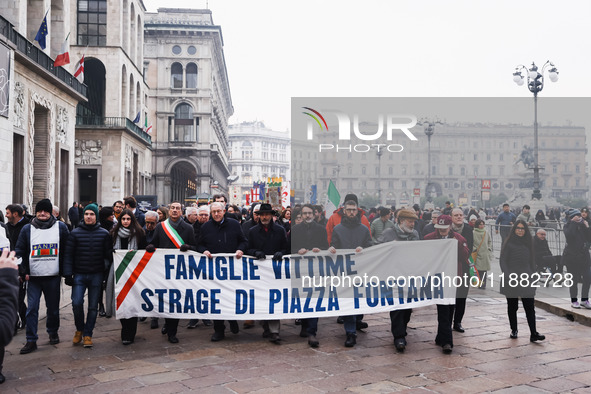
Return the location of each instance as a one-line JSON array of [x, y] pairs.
[[43, 252], [79, 73], [333, 198], [64, 56]]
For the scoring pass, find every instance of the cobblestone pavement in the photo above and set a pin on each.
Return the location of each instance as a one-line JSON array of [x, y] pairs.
[[484, 358]]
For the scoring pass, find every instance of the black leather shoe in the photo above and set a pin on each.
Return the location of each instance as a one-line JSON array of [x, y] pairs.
[[400, 344], [537, 337], [304, 332], [340, 320], [29, 347], [54, 339], [173, 339], [513, 334], [2, 378], [164, 330], [275, 338], [193, 323], [312, 341], [102, 312], [154, 324], [127, 342], [217, 336], [447, 348], [234, 329], [298, 322], [142, 319], [207, 322], [361, 325], [458, 328], [351, 340]]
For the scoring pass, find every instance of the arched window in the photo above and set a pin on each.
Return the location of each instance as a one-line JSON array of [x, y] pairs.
[[191, 76], [182, 126], [176, 76]]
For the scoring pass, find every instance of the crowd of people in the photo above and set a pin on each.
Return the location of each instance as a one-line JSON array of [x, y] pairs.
[[81, 252]]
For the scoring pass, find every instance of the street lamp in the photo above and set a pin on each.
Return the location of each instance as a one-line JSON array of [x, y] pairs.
[[429, 126], [379, 153], [535, 84]]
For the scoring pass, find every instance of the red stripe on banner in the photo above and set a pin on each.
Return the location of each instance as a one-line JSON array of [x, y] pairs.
[[134, 275]]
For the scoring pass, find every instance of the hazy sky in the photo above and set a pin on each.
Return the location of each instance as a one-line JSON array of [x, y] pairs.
[[278, 49]]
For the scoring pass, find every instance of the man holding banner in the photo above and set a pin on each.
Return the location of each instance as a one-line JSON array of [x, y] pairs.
[[173, 233], [445, 313], [403, 230], [268, 238], [351, 234], [309, 236], [221, 235]]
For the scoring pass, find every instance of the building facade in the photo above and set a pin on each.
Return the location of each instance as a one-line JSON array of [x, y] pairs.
[[189, 102], [113, 153], [37, 106], [462, 156], [258, 153]]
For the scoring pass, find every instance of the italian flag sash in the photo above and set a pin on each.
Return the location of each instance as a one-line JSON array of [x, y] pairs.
[[172, 234]]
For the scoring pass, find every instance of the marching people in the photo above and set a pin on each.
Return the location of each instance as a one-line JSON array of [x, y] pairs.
[[466, 231], [429, 228], [381, 224], [445, 313], [350, 233], [483, 248], [403, 230], [517, 260], [9, 284], [173, 233], [268, 238], [221, 235], [253, 221], [576, 256], [126, 235], [308, 236], [88, 256], [41, 246], [117, 208], [74, 215], [150, 226], [337, 216], [131, 204]]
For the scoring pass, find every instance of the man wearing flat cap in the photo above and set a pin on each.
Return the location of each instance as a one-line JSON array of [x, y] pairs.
[[41, 245], [445, 313], [403, 230]]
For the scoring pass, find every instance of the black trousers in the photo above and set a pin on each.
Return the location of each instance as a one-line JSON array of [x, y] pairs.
[[128, 329], [445, 315], [399, 321], [461, 294], [219, 326], [171, 326], [310, 325], [530, 313]]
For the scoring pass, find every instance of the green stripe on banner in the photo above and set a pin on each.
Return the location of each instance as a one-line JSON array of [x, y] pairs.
[[124, 263]]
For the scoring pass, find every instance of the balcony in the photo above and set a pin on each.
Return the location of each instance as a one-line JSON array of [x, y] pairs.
[[35, 55], [95, 122]]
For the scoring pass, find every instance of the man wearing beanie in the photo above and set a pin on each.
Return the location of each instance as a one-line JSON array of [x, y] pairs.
[[337, 216], [88, 257], [41, 244]]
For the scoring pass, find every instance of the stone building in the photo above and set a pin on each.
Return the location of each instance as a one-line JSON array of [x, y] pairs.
[[258, 153], [113, 154], [189, 102], [37, 106]]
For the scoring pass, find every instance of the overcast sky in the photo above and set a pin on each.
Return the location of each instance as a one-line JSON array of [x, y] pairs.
[[278, 49]]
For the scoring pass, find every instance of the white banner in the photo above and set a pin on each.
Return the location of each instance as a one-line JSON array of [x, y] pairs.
[[395, 275]]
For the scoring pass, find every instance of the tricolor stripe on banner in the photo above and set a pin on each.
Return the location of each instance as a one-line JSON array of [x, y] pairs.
[[172, 234], [44, 252], [134, 276], [123, 266]]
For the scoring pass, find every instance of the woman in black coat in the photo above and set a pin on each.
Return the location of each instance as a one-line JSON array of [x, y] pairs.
[[517, 259]]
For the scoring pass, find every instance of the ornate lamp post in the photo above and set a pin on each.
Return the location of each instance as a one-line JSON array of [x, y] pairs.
[[379, 153], [429, 126], [535, 84]]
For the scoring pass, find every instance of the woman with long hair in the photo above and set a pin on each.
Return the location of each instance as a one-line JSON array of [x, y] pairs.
[[517, 264], [483, 249], [127, 235], [162, 213]]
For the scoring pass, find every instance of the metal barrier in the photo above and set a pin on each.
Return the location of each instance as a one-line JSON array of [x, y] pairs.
[[554, 236]]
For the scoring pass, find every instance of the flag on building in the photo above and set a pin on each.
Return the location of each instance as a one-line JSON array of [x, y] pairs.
[[149, 130], [137, 117], [64, 56], [79, 73], [254, 192], [247, 195], [313, 194], [42, 33], [333, 197]]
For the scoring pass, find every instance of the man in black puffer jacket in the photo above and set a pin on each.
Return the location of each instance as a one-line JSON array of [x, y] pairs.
[[88, 256]]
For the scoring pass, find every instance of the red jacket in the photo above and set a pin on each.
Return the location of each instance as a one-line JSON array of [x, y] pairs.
[[336, 219], [463, 252]]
